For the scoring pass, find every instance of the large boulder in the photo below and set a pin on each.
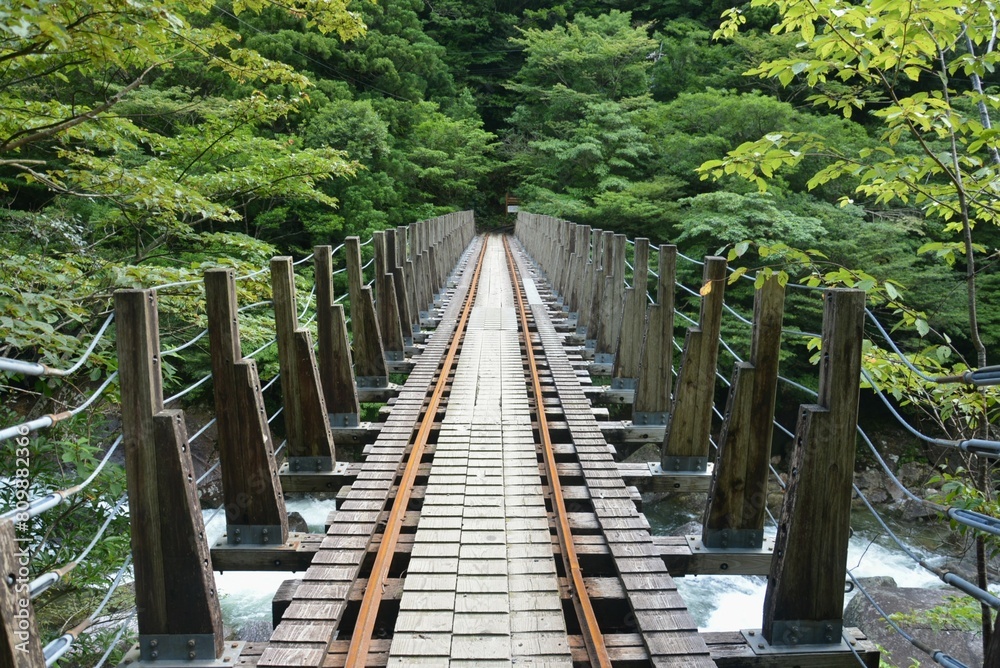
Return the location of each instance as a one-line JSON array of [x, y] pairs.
[[961, 644]]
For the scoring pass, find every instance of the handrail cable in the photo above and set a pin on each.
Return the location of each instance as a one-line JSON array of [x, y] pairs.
[[58, 647], [25, 428], [46, 580]]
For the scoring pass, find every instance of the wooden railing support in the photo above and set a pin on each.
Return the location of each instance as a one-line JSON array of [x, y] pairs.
[[307, 426], [251, 493], [369, 355], [404, 255], [385, 303], [336, 368], [656, 358], [689, 425], [612, 303], [177, 607], [20, 644], [804, 601], [737, 502], [633, 323], [395, 268]]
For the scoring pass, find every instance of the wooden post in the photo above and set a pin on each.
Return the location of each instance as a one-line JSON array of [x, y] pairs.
[[388, 309], [689, 425], [20, 644], [255, 508], [369, 356], [393, 256], [804, 601], [612, 303], [738, 498], [405, 257], [307, 427], [336, 370], [656, 358], [174, 586], [630, 341]]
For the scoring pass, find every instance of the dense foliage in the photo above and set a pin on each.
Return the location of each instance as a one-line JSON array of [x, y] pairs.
[[141, 142]]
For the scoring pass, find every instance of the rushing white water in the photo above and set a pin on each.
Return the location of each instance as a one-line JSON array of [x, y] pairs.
[[729, 603], [245, 596]]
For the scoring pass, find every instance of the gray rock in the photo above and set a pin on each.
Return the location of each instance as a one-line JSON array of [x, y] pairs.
[[255, 631], [297, 523], [960, 644], [878, 581]]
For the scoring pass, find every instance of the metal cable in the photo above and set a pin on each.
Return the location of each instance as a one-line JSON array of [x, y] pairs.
[[118, 636], [52, 499], [25, 428]]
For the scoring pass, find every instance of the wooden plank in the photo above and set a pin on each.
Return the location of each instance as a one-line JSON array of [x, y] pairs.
[[738, 501], [369, 356], [689, 425], [250, 489], [814, 528], [653, 388], [174, 587], [307, 426], [336, 370], [20, 641]]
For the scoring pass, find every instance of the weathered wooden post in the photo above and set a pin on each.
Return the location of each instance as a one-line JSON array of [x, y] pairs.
[[656, 358], [689, 425], [369, 356], [398, 280], [804, 601], [404, 257], [336, 370], [20, 643], [633, 323], [307, 427], [737, 502], [612, 305], [177, 607], [251, 493], [385, 303]]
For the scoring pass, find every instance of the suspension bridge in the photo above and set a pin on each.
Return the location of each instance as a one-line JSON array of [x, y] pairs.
[[486, 518]]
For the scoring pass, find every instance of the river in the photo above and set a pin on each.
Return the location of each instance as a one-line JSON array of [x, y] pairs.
[[717, 602]]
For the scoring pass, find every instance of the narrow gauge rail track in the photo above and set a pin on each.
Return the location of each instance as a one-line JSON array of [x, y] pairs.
[[367, 645]]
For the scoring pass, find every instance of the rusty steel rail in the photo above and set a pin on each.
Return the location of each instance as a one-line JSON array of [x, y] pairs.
[[357, 653], [592, 635]]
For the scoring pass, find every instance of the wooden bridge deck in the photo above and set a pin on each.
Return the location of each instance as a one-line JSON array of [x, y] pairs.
[[480, 583]]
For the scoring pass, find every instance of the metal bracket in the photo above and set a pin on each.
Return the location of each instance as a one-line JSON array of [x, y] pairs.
[[372, 381], [196, 650], [590, 343], [339, 468], [624, 384], [394, 356], [252, 534], [310, 464], [828, 643], [341, 420], [741, 543], [581, 331], [604, 358], [649, 419], [674, 464]]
